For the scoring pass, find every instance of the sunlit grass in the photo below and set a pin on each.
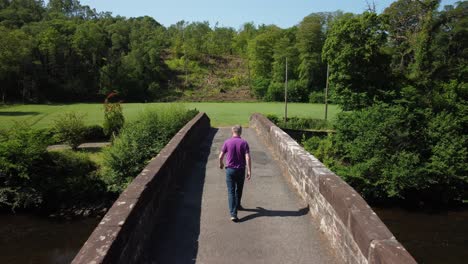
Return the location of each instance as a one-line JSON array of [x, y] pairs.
[[221, 114]]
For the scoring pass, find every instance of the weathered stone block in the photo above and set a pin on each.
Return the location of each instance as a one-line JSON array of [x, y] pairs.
[[389, 252], [339, 195], [366, 226], [97, 248]]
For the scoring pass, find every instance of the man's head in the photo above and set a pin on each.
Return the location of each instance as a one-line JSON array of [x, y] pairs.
[[236, 130]]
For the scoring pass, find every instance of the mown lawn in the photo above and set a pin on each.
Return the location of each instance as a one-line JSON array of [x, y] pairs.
[[221, 114]]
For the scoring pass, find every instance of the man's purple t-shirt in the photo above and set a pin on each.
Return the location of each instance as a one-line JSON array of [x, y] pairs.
[[235, 149]]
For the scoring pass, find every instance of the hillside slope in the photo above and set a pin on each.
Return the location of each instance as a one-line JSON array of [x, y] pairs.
[[211, 78]]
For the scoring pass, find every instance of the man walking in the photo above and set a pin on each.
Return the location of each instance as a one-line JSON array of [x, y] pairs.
[[237, 158]]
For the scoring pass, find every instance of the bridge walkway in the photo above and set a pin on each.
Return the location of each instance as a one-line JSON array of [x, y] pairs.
[[275, 227]]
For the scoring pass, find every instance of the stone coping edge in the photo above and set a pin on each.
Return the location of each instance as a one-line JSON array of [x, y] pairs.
[[121, 235], [374, 240]]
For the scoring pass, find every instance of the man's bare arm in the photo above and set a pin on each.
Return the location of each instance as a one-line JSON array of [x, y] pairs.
[[221, 158], [249, 166]]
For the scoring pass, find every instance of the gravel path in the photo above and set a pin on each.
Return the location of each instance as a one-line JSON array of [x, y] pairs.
[[89, 145]]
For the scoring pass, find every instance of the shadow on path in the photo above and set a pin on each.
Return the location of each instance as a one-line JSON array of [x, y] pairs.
[[260, 212], [175, 239]]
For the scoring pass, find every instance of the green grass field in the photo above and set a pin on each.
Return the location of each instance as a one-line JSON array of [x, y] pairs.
[[221, 114]]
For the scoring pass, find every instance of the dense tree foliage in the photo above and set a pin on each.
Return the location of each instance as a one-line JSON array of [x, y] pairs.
[[69, 52], [359, 66], [65, 51], [403, 73]]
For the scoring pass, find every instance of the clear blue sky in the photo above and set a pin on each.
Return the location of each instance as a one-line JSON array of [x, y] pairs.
[[233, 13]]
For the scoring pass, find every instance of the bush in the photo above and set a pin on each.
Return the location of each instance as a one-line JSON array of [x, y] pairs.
[[69, 128], [139, 141], [95, 133], [297, 91], [390, 152], [273, 118], [22, 153], [69, 178], [317, 97], [154, 91], [31, 177], [300, 123], [322, 149], [275, 92], [260, 87], [113, 117]]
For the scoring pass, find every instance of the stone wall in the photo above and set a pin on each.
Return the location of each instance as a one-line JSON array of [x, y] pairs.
[[356, 233], [122, 234]]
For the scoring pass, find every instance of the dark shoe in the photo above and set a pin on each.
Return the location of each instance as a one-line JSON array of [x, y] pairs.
[[240, 207], [234, 219]]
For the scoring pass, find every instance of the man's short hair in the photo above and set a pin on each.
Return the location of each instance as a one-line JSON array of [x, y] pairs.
[[237, 129]]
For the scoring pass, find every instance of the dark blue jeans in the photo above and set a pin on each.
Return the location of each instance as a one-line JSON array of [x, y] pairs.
[[235, 184]]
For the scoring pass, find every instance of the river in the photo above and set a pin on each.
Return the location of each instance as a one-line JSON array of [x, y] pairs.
[[431, 237], [40, 240], [439, 237]]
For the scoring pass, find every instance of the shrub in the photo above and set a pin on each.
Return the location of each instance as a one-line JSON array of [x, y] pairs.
[[70, 129], [300, 123], [273, 118], [95, 133], [22, 153], [394, 152], [275, 92], [322, 149], [31, 177], [139, 141], [69, 178], [260, 87], [317, 97], [297, 91], [113, 116], [154, 91]]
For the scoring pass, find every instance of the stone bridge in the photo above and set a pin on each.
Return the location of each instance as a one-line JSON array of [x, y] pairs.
[[296, 210]]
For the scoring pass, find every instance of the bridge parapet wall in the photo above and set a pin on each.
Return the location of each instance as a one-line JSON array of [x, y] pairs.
[[355, 231], [123, 233]]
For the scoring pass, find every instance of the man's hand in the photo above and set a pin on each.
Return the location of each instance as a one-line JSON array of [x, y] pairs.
[[249, 166], [220, 158]]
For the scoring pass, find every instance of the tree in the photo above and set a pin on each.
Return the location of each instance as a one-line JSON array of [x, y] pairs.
[[261, 51], [15, 46], [89, 42], [242, 38], [409, 24], [16, 13], [194, 39], [359, 66], [310, 40], [285, 48], [67, 7], [220, 41], [448, 49]]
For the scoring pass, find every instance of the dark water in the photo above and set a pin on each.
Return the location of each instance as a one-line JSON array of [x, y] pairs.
[[26, 239], [431, 237]]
